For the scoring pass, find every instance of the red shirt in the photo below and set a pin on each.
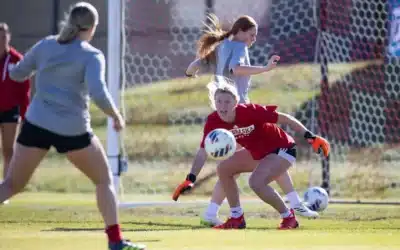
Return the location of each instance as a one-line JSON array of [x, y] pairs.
[[254, 128], [12, 93]]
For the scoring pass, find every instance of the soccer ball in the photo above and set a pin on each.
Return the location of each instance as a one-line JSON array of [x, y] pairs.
[[316, 198], [220, 144]]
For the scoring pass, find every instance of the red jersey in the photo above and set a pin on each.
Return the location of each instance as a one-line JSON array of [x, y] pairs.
[[254, 128], [12, 93]]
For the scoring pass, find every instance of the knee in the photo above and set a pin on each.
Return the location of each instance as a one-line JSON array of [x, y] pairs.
[[223, 170], [256, 182], [104, 179]]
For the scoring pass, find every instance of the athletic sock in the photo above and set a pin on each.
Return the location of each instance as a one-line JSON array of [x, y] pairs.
[[212, 210], [114, 233], [236, 212], [293, 198]]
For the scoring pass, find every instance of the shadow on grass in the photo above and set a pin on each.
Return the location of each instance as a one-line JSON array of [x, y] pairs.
[[151, 227]]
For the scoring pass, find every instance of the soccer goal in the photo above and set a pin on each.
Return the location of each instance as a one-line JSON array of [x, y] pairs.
[[338, 74]]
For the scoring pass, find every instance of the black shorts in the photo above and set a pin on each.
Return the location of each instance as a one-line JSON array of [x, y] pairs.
[[10, 116], [288, 153], [34, 136]]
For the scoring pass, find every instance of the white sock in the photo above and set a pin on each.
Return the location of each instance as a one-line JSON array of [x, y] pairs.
[[212, 210], [236, 212], [293, 198], [286, 214]]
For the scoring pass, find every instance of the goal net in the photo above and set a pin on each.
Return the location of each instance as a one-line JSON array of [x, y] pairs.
[[337, 75]]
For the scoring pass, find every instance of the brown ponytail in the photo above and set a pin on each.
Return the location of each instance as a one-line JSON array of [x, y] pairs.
[[212, 36], [215, 34]]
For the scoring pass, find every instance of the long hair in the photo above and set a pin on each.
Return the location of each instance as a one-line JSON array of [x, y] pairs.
[[213, 34], [81, 17]]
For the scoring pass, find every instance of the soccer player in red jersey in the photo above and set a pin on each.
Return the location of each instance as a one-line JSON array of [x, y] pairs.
[[268, 152], [14, 96], [225, 53]]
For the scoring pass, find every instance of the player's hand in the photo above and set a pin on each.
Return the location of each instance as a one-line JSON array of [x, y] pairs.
[[119, 123], [318, 143], [273, 61], [184, 186]]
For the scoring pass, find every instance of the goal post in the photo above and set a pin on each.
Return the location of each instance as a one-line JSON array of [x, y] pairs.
[[114, 62]]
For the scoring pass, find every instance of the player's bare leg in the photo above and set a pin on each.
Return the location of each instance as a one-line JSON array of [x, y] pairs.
[[286, 184], [22, 165], [8, 134], [271, 167], [240, 162], [93, 163], [210, 216]]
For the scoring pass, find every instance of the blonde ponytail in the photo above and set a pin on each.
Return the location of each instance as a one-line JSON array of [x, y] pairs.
[[81, 17], [68, 33]]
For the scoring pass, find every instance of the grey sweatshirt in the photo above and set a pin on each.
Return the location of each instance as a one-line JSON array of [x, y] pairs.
[[66, 77]]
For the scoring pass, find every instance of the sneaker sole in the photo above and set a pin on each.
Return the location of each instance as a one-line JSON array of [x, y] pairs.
[[308, 216], [305, 215]]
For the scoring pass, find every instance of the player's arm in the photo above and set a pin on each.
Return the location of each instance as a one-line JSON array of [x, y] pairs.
[[198, 162], [196, 66], [292, 122], [197, 165], [188, 183], [318, 143], [95, 79], [237, 67], [26, 67]]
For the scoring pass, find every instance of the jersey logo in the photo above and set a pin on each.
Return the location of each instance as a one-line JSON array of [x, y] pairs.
[[242, 132]]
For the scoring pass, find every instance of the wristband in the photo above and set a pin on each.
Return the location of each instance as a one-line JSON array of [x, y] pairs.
[[309, 135], [191, 177]]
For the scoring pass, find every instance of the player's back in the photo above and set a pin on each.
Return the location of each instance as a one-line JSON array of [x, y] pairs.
[[228, 55], [61, 100]]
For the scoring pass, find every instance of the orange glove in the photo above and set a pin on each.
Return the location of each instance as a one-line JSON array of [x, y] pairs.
[[318, 143], [184, 186]]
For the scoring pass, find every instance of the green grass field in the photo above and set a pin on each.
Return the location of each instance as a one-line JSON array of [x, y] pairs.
[[39, 221]]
